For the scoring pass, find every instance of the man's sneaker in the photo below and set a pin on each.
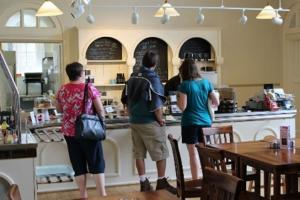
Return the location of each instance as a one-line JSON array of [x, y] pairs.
[[163, 184], [146, 186]]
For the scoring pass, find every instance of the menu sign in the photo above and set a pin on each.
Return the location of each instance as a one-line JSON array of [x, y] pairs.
[[104, 48], [158, 46], [285, 137]]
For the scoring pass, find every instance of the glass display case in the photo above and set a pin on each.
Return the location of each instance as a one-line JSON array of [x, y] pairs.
[[9, 98]]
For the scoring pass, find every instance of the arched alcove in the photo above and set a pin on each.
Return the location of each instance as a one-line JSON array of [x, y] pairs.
[[105, 57], [103, 49], [158, 46], [203, 52], [199, 47]]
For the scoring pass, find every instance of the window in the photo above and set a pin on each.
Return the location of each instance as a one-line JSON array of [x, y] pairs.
[[29, 56], [29, 18], [46, 22], [26, 18], [14, 20]]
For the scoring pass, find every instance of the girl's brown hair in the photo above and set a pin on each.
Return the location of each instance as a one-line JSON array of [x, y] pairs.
[[189, 70]]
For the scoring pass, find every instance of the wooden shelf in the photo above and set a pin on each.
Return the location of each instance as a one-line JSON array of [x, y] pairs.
[[106, 61], [111, 85]]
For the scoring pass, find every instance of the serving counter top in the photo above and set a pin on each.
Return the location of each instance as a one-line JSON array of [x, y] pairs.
[[123, 122]]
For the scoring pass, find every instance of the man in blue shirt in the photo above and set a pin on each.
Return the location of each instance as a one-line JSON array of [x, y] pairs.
[[144, 97]]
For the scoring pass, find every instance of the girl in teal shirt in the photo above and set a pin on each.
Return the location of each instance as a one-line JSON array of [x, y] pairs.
[[193, 96]]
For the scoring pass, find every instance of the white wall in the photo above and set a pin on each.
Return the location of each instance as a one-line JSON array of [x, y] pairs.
[[252, 53]]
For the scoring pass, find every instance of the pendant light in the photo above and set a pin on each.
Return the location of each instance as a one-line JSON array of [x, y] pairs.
[[267, 13], [48, 9], [166, 9]]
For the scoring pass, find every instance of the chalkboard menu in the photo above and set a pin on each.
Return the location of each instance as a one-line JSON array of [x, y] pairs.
[[104, 48], [197, 47], [158, 46]]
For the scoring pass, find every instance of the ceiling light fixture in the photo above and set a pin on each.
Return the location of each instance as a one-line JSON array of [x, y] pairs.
[[48, 9], [90, 18], [87, 2], [278, 19], [200, 17], [78, 9], [166, 9], [165, 18], [268, 12], [135, 16], [244, 18]]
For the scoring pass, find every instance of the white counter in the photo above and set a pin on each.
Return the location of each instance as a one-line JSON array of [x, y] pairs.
[[120, 165]]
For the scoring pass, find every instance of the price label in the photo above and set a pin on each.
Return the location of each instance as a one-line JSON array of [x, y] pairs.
[[109, 109]]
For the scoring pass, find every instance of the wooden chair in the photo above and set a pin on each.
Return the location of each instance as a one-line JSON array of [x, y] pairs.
[[212, 158], [185, 189], [224, 135], [217, 135], [14, 193], [220, 186], [289, 196]]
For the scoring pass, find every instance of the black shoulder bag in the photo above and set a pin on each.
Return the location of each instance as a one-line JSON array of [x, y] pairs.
[[87, 126]]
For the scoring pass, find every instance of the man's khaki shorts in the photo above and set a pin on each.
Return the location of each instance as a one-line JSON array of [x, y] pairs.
[[149, 137]]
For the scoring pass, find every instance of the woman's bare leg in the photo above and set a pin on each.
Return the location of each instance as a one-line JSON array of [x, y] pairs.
[[81, 183], [194, 161], [100, 183]]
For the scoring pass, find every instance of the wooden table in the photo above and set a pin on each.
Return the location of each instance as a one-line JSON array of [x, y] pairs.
[[258, 155], [155, 195]]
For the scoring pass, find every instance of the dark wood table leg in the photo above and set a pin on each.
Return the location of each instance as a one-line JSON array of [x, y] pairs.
[[291, 183], [257, 182], [276, 185], [243, 173], [267, 184]]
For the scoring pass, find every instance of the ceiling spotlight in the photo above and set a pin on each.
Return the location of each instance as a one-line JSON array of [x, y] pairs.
[[87, 2], [135, 16], [277, 19], [165, 18], [244, 18], [200, 17], [168, 9], [90, 18], [78, 9]]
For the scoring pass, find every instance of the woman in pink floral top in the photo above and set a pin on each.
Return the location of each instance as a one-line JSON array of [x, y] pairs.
[[82, 153]]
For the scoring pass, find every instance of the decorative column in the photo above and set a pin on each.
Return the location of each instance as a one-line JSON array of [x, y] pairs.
[[176, 64]]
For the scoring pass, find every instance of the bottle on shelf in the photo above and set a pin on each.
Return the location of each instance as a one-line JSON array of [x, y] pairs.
[[4, 127]]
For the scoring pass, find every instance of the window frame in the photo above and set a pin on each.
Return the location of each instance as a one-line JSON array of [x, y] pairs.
[[22, 22]]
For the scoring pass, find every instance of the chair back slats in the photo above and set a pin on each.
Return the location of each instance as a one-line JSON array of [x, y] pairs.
[[217, 135], [220, 186], [178, 165], [212, 158]]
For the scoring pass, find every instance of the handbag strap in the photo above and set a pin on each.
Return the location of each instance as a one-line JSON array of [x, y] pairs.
[[86, 95]]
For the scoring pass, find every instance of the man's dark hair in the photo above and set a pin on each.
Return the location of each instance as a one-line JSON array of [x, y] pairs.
[[74, 71], [189, 70], [150, 59]]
